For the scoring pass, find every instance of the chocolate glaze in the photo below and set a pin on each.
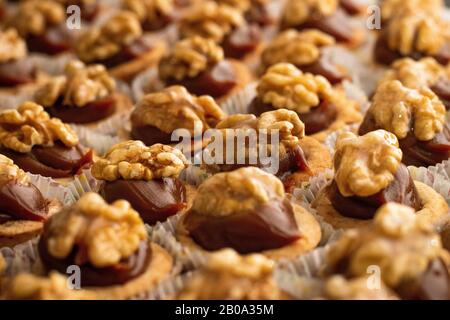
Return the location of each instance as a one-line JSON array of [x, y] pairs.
[[58, 161], [415, 152], [16, 73], [157, 24], [318, 119], [93, 111], [384, 55], [150, 134], [122, 272], [57, 39], [324, 68], [22, 202], [336, 25], [442, 89], [128, 53], [242, 41], [268, 226], [433, 284], [155, 200], [216, 81], [401, 190]]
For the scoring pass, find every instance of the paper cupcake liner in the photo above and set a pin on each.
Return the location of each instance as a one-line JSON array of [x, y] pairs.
[[83, 183], [435, 177], [51, 189], [167, 289], [239, 102], [20, 258], [52, 65], [355, 93], [146, 82], [13, 100], [99, 142], [330, 140]]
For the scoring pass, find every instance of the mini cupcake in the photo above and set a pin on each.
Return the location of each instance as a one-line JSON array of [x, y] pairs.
[[230, 276], [303, 49], [40, 144], [23, 209], [147, 177], [154, 15], [426, 72], [406, 251], [158, 115], [83, 95], [254, 11], [109, 244], [247, 210], [324, 15], [416, 117], [322, 108], [42, 23], [225, 25], [413, 34], [119, 44], [299, 157], [199, 65], [368, 174]]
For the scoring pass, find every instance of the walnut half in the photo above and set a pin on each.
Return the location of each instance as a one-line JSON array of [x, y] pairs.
[[132, 160], [9, 171], [12, 47]]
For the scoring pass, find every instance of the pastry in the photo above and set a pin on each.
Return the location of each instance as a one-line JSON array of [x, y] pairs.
[[416, 117], [230, 276], [368, 174], [404, 249], [42, 23], [280, 131], [147, 177], [199, 65], [324, 15], [426, 72], [159, 116], [110, 245], [322, 108], [414, 34], [119, 44], [23, 209], [247, 210], [40, 144], [83, 95], [225, 25], [303, 49]]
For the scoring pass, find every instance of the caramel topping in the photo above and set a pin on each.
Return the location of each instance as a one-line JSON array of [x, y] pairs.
[[400, 243], [285, 86], [416, 31], [210, 20], [189, 58], [33, 17], [27, 286], [103, 234], [101, 42], [399, 110], [175, 108], [12, 47], [415, 74], [132, 160], [9, 171], [366, 165], [298, 12], [298, 48], [79, 86], [150, 10], [230, 275], [229, 193], [30, 125]]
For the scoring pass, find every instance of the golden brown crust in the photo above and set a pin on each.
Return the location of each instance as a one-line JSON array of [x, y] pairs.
[[318, 157], [434, 209], [15, 232], [307, 224]]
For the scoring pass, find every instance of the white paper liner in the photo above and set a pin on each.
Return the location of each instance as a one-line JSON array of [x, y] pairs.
[[239, 102], [97, 141], [83, 183], [355, 93], [146, 82], [13, 100], [20, 258], [52, 65], [435, 177], [51, 189], [330, 140]]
